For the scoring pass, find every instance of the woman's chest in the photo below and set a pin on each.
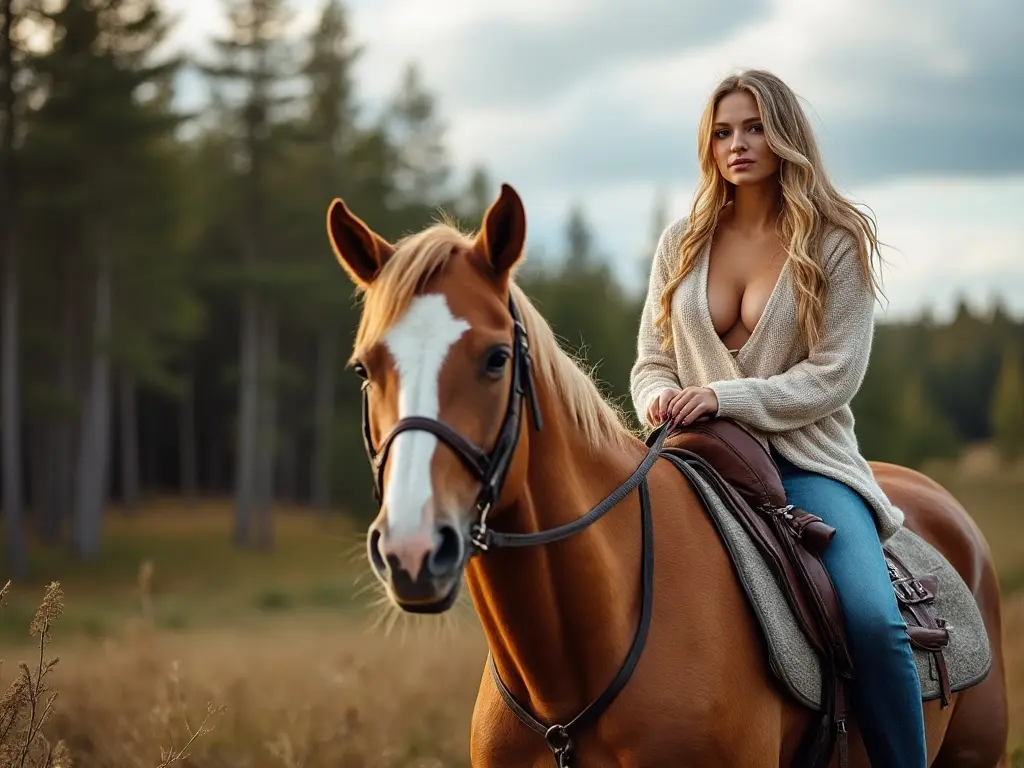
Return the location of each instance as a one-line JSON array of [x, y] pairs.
[[751, 320]]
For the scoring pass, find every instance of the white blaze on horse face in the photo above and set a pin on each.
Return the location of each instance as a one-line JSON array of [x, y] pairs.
[[419, 344]]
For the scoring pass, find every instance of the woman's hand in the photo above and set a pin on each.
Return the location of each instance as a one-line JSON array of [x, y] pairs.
[[658, 410], [693, 403], [682, 406]]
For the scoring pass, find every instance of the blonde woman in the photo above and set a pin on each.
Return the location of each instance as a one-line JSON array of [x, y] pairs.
[[760, 308]]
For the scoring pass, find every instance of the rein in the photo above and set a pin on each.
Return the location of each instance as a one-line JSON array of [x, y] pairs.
[[491, 469]]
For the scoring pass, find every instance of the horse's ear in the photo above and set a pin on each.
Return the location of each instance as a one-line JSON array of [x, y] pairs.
[[360, 250], [503, 232]]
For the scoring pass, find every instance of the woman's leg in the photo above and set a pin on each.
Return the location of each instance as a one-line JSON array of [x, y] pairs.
[[887, 691]]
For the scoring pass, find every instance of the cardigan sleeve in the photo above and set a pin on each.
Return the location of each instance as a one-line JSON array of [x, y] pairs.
[[834, 369], [655, 368]]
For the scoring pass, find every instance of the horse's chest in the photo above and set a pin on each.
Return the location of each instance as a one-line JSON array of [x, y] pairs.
[[647, 734]]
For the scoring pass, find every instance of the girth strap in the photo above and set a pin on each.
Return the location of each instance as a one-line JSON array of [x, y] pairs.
[[930, 633]]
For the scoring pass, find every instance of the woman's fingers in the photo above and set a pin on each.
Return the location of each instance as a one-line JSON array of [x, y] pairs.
[[693, 407], [661, 409], [681, 406]]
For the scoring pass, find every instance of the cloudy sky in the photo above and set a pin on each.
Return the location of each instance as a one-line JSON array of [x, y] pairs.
[[917, 105]]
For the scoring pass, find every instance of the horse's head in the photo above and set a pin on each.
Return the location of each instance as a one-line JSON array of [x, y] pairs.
[[446, 382]]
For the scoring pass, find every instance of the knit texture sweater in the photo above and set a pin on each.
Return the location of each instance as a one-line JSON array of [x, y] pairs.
[[791, 398]]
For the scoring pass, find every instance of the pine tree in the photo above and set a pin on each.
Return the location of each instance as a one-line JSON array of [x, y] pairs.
[[920, 430], [256, 55], [333, 133], [1006, 415], [90, 146], [12, 76], [475, 198], [659, 220], [423, 169], [578, 240]]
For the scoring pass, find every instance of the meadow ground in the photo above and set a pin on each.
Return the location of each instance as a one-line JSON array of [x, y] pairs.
[[299, 664]]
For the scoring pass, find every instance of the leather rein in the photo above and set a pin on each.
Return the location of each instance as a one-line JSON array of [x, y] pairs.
[[491, 469]]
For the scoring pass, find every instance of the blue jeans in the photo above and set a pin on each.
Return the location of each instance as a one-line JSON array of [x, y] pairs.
[[886, 694]]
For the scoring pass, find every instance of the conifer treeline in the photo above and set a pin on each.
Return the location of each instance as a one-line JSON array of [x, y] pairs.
[[173, 319]]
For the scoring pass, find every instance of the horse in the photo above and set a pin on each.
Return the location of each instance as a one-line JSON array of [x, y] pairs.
[[454, 358]]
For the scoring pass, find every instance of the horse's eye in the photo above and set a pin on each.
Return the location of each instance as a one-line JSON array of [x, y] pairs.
[[360, 370], [495, 360]]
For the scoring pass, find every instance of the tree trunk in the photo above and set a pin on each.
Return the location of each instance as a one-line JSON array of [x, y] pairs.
[[187, 442], [51, 484], [94, 447], [38, 479], [248, 400], [288, 456], [267, 429], [13, 498], [129, 444], [65, 430], [323, 421], [57, 499], [10, 411]]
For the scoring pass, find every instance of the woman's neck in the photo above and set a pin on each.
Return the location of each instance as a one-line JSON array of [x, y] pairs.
[[756, 207], [559, 619]]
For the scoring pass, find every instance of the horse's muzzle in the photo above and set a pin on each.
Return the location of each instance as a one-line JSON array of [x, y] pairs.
[[423, 570]]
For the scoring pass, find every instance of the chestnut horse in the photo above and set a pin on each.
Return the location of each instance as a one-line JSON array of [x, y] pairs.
[[486, 439]]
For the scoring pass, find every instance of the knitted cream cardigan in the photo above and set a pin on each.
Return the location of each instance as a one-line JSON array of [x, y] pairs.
[[795, 401]]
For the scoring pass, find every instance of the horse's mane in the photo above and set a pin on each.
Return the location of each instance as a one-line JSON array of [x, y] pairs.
[[417, 258]]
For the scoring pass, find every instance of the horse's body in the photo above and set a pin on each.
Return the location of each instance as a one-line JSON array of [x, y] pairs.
[[560, 618], [703, 693]]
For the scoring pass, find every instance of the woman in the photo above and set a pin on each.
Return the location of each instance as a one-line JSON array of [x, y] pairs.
[[760, 309]]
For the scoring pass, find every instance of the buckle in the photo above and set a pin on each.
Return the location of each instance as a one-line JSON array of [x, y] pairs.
[[480, 537], [479, 533], [911, 591]]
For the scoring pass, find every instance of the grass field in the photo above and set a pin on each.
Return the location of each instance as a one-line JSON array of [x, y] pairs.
[[299, 664]]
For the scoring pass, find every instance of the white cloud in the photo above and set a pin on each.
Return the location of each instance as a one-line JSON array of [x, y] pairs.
[[950, 238], [898, 91]]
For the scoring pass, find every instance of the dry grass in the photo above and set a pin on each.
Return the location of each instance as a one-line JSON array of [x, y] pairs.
[[258, 674], [312, 693]]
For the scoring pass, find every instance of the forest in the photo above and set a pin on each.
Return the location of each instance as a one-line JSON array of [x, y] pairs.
[[174, 322]]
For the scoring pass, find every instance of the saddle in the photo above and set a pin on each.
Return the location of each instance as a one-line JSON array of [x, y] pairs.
[[733, 462]]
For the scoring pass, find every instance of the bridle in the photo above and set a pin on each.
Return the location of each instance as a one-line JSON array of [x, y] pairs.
[[491, 469]]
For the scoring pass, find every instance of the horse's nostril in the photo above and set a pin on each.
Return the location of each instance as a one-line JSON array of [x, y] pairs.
[[376, 557], [446, 558]]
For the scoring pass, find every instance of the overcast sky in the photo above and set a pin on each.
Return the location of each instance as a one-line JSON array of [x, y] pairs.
[[917, 104]]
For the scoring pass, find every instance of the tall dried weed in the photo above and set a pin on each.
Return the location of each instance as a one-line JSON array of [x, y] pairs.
[[29, 717], [27, 704]]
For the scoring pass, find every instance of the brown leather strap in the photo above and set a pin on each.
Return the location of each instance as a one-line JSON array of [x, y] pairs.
[[808, 589], [792, 540], [930, 633], [800, 573]]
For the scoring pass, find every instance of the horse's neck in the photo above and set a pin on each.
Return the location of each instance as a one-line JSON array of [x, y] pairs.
[[559, 618]]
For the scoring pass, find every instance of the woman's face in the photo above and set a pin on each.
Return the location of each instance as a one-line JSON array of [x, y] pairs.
[[738, 141]]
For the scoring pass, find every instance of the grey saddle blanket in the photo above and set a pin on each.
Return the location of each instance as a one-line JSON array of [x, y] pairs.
[[968, 655]]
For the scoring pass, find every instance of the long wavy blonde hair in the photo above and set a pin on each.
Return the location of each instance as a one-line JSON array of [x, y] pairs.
[[810, 203]]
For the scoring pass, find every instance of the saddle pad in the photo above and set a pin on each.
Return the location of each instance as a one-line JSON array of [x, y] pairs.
[[968, 655]]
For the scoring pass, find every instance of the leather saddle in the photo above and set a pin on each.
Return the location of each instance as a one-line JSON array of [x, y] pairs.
[[792, 541]]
